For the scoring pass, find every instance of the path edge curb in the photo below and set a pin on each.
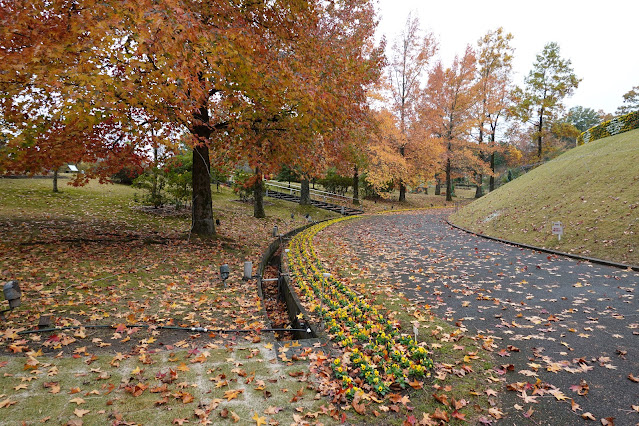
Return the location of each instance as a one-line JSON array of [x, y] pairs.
[[545, 250]]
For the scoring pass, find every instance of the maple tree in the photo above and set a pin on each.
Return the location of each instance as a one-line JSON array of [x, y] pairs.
[[547, 84], [235, 76], [446, 110], [411, 53]]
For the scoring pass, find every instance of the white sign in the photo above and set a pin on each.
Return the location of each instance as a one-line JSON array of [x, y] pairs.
[[557, 229]]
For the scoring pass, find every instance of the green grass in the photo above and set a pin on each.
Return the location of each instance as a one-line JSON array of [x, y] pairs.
[[592, 189]]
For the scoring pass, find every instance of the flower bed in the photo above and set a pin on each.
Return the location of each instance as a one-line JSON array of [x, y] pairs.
[[377, 357], [617, 125]]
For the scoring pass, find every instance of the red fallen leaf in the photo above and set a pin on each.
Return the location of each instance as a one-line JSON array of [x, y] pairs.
[[633, 378], [180, 421], [410, 421], [608, 421], [296, 373], [394, 408]]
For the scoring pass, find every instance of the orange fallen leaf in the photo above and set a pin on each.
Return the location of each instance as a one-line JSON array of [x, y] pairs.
[[7, 403], [259, 420], [232, 394], [79, 412]]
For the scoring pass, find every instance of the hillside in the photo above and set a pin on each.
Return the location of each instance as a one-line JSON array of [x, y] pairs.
[[592, 189]]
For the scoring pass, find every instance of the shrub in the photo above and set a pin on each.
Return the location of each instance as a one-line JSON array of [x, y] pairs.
[[621, 124]]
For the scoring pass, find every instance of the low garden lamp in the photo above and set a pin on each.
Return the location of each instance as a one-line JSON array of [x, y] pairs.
[[12, 294], [225, 271]]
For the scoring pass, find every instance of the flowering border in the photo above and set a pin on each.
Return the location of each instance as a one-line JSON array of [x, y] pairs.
[[621, 124], [377, 357]]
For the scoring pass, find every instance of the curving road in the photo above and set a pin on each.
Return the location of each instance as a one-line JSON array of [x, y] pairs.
[[576, 324]]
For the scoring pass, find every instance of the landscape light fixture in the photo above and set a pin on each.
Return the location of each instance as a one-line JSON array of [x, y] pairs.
[[225, 271], [275, 231], [248, 271], [12, 294]]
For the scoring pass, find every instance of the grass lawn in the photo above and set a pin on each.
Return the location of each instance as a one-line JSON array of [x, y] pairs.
[[593, 190], [91, 256]]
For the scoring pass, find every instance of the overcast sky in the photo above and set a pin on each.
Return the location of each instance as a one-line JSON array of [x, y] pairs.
[[600, 38]]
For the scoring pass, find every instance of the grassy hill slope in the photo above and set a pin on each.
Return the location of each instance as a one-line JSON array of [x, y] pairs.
[[592, 189]]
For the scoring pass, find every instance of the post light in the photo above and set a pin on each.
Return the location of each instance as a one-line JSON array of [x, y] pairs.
[[275, 231], [248, 271], [225, 271], [12, 294]]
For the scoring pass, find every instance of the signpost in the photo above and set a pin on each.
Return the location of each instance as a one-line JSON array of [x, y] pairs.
[[557, 229]]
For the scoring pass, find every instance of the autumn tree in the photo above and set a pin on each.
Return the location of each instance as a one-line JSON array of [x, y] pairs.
[[415, 165], [410, 55], [447, 108], [541, 100], [494, 80], [630, 102], [230, 74]]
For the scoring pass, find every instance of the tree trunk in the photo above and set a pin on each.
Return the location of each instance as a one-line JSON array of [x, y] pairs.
[[492, 167], [356, 186], [55, 180], [305, 193], [258, 196], [402, 192], [202, 201], [539, 128], [449, 182], [202, 218], [402, 187], [479, 192], [438, 188]]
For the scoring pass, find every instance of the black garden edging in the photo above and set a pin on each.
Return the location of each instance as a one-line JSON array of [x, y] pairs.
[[293, 304], [550, 251]]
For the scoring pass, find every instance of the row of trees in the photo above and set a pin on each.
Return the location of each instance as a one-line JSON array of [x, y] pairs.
[[251, 82], [262, 85], [446, 120]]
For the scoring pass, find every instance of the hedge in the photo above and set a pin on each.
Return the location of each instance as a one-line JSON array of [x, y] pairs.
[[617, 125]]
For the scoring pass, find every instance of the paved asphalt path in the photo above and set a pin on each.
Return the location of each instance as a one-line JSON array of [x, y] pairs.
[[576, 324]]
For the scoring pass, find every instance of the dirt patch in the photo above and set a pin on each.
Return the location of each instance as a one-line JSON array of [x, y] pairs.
[[164, 211]]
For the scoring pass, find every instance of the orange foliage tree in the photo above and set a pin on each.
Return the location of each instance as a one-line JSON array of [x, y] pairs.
[[239, 77], [410, 56], [446, 110], [494, 84]]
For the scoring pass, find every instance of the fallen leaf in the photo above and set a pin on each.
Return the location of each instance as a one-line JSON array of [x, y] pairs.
[[79, 412], [258, 420]]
